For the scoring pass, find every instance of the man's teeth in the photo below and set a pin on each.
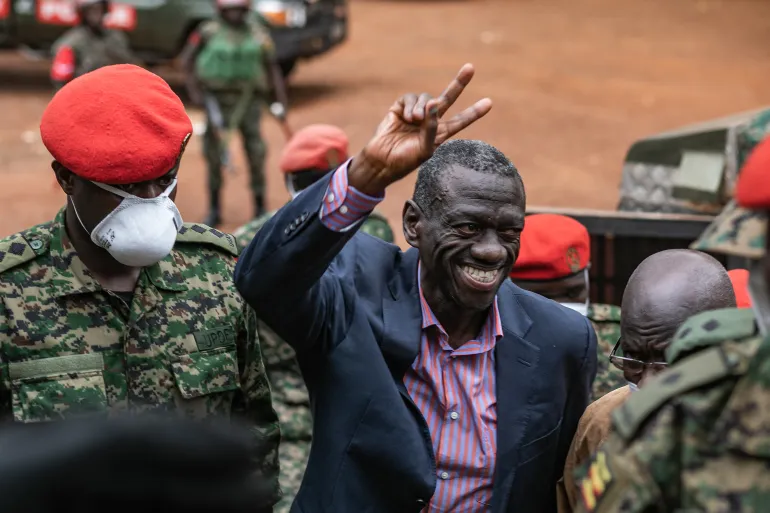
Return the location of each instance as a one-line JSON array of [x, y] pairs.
[[480, 275]]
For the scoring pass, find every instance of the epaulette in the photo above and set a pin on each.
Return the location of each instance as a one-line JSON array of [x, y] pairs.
[[196, 233], [700, 369], [23, 247], [710, 328], [599, 312]]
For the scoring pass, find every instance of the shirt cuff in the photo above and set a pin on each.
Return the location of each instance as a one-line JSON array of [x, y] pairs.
[[345, 206]]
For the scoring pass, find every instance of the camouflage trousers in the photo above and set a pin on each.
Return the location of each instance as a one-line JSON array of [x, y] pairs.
[[253, 145], [293, 455]]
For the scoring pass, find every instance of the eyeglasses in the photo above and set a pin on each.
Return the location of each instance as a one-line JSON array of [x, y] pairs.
[[633, 365]]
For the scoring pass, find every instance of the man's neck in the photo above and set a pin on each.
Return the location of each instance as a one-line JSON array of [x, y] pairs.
[[460, 324], [111, 274]]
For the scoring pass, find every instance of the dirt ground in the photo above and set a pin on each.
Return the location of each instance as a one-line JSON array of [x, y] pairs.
[[574, 83]]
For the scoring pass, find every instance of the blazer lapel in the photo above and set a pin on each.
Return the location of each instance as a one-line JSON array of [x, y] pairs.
[[516, 367], [402, 318]]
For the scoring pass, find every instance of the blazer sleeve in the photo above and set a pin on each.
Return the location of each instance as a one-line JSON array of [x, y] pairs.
[[285, 274], [579, 394]]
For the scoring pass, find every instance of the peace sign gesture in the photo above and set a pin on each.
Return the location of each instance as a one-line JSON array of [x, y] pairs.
[[410, 133]]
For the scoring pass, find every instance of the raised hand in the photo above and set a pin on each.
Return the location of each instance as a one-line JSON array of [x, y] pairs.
[[410, 133]]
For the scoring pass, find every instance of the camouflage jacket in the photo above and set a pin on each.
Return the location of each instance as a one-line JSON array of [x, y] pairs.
[[187, 343], [696, 438], [93, 51], [606, 322]]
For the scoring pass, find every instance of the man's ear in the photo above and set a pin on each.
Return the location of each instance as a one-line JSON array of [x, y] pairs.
[[65, 177], [412, 218]]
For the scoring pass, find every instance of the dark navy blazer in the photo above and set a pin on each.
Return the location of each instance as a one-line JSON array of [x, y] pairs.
[[349, 305]]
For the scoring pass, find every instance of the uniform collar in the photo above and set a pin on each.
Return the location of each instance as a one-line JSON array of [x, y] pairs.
[[71, 276]]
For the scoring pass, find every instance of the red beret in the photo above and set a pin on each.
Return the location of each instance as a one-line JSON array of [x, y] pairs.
[[319, 147], [740, 280], [552, 247], [753, 188], [119, 124]]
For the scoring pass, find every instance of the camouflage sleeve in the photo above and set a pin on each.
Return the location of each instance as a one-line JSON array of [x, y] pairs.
[[254, 405], [634, 476], [5, 385]]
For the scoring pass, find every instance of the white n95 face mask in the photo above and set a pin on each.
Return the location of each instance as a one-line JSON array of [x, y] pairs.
[[141, 231]]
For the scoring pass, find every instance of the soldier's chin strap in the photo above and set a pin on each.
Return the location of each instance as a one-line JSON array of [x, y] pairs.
[[760, 298]]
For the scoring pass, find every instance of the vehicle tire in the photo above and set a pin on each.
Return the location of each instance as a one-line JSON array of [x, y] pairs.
[[287, 67]]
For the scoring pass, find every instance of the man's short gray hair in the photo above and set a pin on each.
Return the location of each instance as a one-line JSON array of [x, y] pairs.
[[476, 155]]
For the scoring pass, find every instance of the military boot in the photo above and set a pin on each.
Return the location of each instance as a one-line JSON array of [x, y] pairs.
[[213, 218]]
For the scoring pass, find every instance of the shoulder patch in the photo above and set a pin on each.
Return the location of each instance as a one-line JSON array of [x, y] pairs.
[[23, 247], [596, 482], [700, 369], [709, 328], [196, 233], [599, 312]]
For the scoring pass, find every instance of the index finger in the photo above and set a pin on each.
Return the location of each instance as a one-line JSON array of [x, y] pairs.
[[455, 88]]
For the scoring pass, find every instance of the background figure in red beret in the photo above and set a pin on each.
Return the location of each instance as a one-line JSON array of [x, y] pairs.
[[89, 46], [740, 281], [311, 154], [231, 71], [554, 261], [116, 305]]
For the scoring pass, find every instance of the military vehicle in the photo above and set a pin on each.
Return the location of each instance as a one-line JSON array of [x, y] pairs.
[[158, 29], [673, 186]]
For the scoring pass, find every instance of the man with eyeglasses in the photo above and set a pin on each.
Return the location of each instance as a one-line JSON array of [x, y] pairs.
[[666, 289], [696, 438]]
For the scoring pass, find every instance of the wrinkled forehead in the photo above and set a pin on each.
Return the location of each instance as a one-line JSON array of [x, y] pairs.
[[462, 185]]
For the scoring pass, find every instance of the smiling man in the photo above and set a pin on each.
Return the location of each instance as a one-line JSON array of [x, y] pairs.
[[436, 384]]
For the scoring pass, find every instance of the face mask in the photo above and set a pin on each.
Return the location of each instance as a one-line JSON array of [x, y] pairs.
[[140, 231], [633, 387], [581, 308]]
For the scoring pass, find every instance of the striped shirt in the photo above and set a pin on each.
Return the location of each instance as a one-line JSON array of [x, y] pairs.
[[454, 389]]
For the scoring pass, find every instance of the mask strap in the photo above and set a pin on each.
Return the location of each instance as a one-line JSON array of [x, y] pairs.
[[72, 202], [126, 195], [588, 287]]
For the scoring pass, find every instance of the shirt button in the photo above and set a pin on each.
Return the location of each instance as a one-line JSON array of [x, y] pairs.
[[330, 197], [444, 475], [454, 415], [343, 209]]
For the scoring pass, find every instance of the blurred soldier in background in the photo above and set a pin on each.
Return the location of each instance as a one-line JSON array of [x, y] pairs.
[[128, 465], [696, 438], [553, 261], [89, 46], [117, 305], [231, 72], [311, 154]]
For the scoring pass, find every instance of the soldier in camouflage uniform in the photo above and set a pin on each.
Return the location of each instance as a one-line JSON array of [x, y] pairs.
[[88, 46], [231, 71], [553, 261], [116, 306], [696, 438], [309, 156]]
